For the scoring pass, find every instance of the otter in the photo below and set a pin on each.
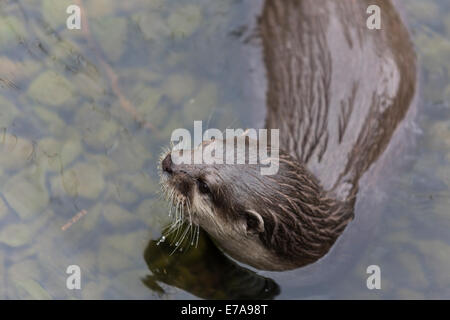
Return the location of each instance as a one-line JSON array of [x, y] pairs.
[[337, 92]]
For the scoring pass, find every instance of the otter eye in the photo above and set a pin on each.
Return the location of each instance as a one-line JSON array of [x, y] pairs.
[[203, 187]]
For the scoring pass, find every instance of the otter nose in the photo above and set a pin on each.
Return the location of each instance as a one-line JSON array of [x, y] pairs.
[[167, 164]]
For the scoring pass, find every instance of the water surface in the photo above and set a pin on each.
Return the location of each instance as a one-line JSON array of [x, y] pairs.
[[85, 114]]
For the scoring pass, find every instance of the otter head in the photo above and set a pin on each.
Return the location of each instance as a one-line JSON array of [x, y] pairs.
[[269, 221]]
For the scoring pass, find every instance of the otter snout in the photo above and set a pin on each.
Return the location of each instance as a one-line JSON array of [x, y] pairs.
[[166, 164]]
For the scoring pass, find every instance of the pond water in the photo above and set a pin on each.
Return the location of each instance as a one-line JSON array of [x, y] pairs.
[[85, 114]]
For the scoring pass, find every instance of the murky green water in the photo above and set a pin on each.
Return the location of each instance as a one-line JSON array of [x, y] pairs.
[[84, 115]]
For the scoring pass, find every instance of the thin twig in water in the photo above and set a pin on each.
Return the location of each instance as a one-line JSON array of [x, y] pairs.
[[75, 218]]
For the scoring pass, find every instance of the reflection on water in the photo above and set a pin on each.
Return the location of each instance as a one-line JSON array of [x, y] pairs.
[[204, 271], [84, 115]]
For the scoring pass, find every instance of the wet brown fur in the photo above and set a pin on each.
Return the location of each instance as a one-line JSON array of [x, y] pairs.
[[337, 94]]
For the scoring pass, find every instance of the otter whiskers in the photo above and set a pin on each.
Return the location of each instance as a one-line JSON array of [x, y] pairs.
[[182, 228]]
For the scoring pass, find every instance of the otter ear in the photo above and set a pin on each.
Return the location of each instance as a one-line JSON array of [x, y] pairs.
[[255, 222]]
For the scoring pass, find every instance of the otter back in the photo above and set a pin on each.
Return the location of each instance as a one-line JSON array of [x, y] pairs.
[[336, 90]]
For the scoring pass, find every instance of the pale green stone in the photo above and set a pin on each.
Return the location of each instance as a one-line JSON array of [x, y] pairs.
[[99, 8], [175, 58], [89, 178], [129, 155], [145, 184], [7, 113], [412, 269], [121, 193], [54, 12], [51, 89], [425, 11], [140, 181], [28, 69], [158, 117], [98, 128], [91, 219], [49, 152], [53, 122], [11, 31], [26, 195], [179, 87], [25, 276], [102, 137], [127, 243], [56, 155], [26, 268], [90, 84], [117, 216], [9, 67], [70, 151], [15, 152], [152, 25], [106, 164], [16, 235], [111, 33], [150, 109], [184, 21], [65, 184]]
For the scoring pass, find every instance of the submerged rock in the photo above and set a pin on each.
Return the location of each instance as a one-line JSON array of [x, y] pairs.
[[3, 209], [11, 31], [26, 195], [111, 33], [184, 21], [117, 216], [51, 89], [121, 193], [7, 113], [152, 25], [56, 155], [65, 184], [16, 235], [88, 179], [24, 276], [54, 12], [179, 87], [15, 152], [52, 121], [97, 127]]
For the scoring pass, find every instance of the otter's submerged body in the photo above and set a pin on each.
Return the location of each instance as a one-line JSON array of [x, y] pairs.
[[337, 91]]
